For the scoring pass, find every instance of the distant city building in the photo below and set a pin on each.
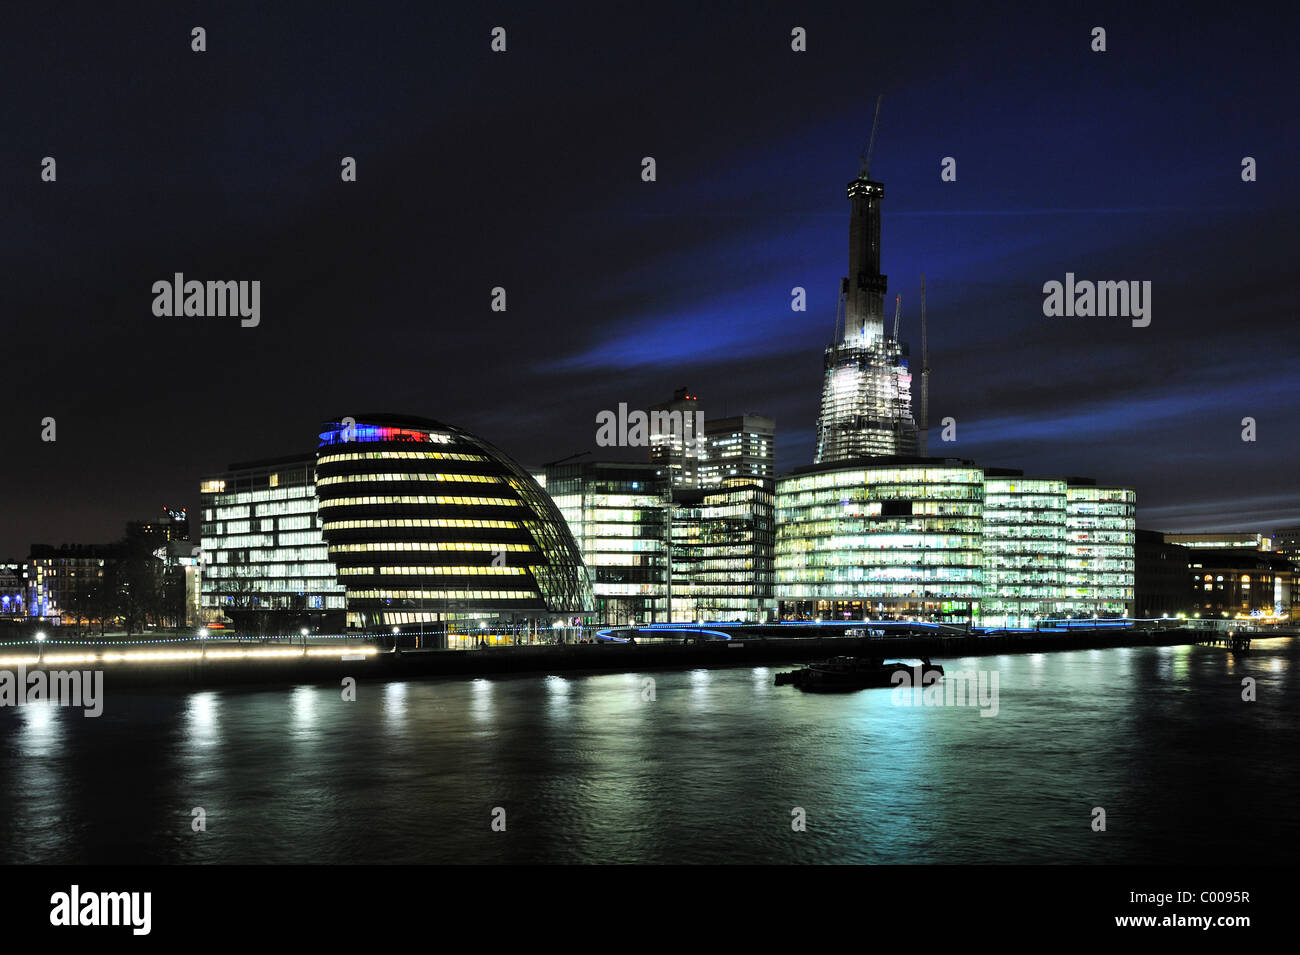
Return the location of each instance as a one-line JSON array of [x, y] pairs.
[[65, 584], [165, 538], [13, 591], [742, 448], [265, 563], [1286, 541], [676, 441], [1161, 586], [1241, 584], [1232, 540], [866, 405], [172, 525]]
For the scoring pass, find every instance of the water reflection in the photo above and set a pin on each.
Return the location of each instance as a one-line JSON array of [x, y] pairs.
[[705, 767]]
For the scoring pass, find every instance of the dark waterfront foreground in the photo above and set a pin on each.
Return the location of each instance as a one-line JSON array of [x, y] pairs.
[[588, 769]]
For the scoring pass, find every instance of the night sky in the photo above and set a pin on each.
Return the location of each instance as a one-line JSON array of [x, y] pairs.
[[522, 170]]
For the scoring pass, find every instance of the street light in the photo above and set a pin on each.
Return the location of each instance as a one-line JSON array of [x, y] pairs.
[[304, 638], [40, 646]]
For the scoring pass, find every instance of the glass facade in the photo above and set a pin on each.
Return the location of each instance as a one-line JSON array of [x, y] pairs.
[[733, 576], [264, 555], [1024, 549], [881, 537], [427, 522], [618, 515], [1099, 560], [941, 540]]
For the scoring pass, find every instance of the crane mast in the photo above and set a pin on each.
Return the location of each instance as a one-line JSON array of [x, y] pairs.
[[866, 156]]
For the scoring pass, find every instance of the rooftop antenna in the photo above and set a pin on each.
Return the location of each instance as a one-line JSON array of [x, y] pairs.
[[871, 144], [925, 377], [898, 312]]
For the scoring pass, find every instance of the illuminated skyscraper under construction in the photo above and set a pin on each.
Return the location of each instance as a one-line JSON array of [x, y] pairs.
[[867, 389]]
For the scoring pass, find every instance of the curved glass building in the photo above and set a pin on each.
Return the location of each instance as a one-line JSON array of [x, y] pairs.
[[427, 522]]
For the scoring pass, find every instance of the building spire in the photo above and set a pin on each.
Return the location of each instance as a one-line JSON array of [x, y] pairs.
[[871, 144]]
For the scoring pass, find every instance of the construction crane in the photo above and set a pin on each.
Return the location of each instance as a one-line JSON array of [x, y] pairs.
[[898, 312], [925, 377], [871, 144], [839, 313], [571, 457]]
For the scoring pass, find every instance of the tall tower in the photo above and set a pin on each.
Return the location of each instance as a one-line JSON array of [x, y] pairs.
[[866, 387], [864, 311]]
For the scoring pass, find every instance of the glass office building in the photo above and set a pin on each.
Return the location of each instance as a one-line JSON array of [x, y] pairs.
[[265, 565], [427, 522], [733, 575], [1099, 550], [618, 513], [1024, 549], [881, 536]]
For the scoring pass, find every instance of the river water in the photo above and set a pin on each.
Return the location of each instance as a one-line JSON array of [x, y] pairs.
[[698, 766]]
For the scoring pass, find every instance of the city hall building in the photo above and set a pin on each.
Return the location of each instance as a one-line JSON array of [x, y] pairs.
[[394, 521]]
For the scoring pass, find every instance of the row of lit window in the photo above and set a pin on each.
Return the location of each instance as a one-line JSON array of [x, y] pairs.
[[1021, 486], [332, 456], [300, 568], [417, 546], [296, 493], [420, 499], [878, 590], [390, 477], [802, 523], [260, 585], [441, 595], [853, 546], [285, 601], [918, 476], [623, 560], [594, 545], [807, 498], [282, 539], [381, 523], [221, 554], [1101, 495], [414, 571], [853, 532]]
